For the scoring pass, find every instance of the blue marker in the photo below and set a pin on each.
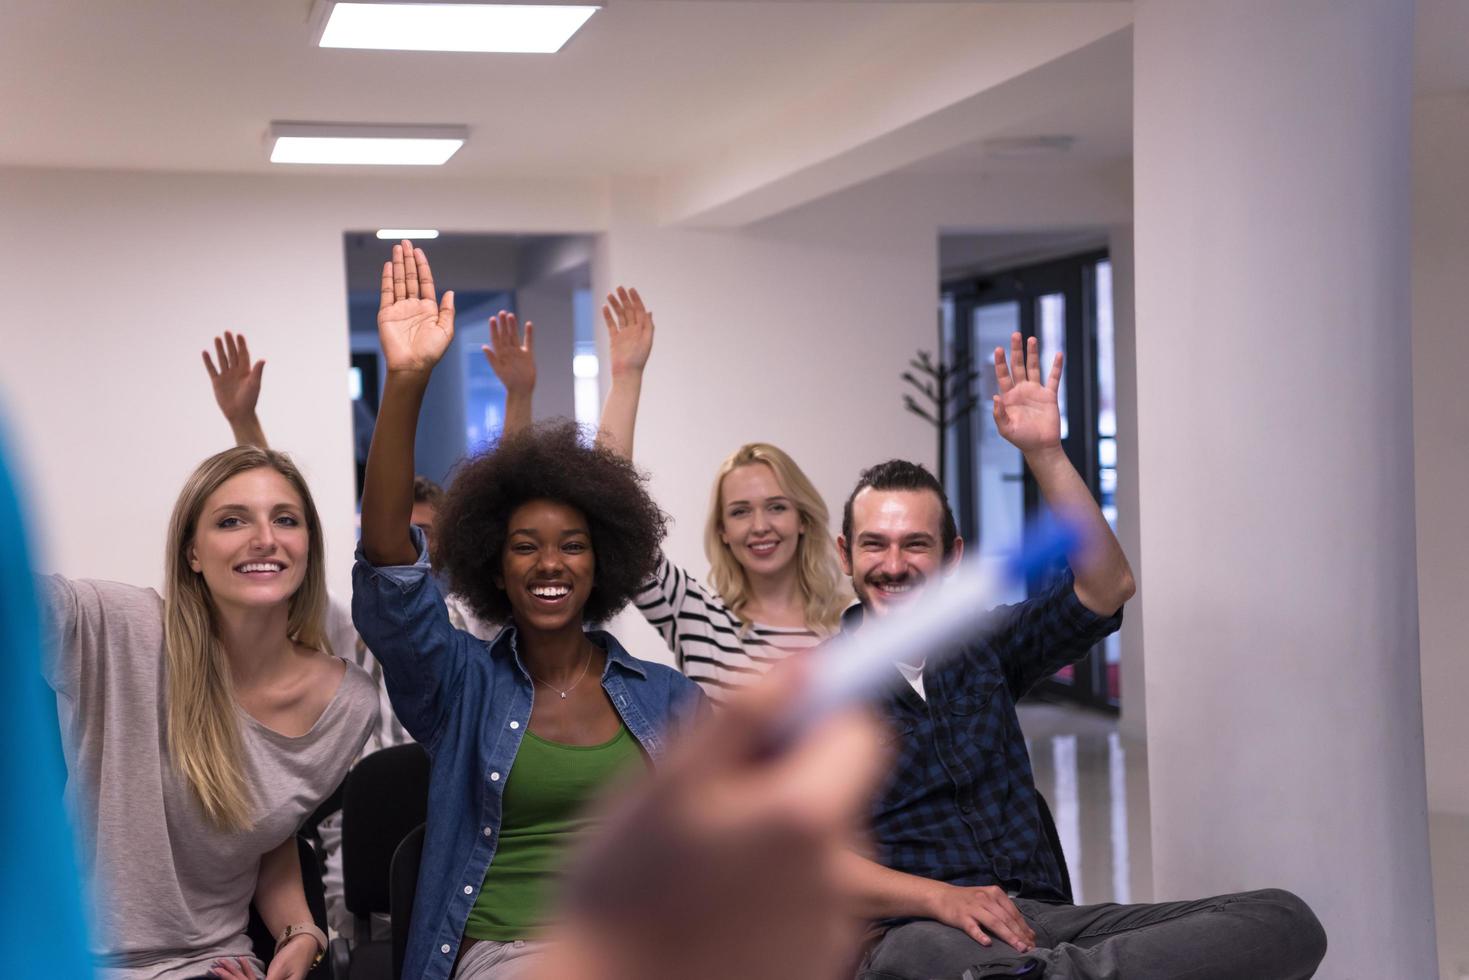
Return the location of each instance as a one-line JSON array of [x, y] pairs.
[[42, 933], [943, 618]]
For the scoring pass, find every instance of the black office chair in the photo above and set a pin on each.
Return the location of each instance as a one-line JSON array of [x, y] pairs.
[[310, 832], [384, 797], [264, 942], [1053, 839], [311, 829], [403, 884]]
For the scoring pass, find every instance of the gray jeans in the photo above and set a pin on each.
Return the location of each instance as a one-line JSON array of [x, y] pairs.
[[489, 960], [1262, 935]]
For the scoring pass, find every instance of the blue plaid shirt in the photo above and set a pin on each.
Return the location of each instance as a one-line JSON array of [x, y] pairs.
[[961, 804]]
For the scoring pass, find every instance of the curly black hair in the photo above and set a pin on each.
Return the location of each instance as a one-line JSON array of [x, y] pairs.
[[548, 461]]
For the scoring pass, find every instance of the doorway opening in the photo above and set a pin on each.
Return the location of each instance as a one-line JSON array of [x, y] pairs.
[[545, 279], [1065, 302]]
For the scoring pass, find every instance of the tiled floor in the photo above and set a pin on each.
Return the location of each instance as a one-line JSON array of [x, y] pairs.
[[1097, 785], [1448, 839]]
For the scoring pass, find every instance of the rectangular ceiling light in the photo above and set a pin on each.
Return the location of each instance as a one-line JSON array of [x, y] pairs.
[[328, 143], [503, 27], [412, 234]]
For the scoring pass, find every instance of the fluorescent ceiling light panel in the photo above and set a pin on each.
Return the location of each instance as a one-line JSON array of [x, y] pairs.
[[503, 27], [412, 234], [364, 145]]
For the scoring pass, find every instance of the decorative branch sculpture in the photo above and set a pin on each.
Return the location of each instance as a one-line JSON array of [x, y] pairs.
[[946, 389]]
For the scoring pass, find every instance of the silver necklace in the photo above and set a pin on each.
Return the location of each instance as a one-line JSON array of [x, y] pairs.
[[574, 683]]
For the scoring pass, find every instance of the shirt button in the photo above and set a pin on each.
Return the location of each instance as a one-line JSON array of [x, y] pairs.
[[489, 831], [494, 777], [468, 890], [444, 949], [515, 724]]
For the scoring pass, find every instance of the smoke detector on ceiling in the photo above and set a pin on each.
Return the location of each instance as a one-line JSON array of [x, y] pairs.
[[1015, 147]]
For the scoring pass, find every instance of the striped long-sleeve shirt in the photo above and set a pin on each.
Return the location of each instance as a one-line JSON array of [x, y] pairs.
[[709, 643]]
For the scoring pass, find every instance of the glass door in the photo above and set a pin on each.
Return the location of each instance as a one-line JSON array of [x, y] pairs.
[[998, 479], [1066, 305]]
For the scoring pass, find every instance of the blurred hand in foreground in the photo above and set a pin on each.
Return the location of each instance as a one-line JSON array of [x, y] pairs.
[[723, 864]]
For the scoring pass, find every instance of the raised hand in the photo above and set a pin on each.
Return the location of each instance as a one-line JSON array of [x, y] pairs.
[[629, 330], [412, 327], [236, 382], [1027, 411], [727, 840], [511, 357]]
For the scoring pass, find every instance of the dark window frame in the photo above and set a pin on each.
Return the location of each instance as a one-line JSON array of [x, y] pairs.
[[1074, 277]]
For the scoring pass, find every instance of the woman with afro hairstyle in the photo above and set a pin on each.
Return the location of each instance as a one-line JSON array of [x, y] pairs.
[[546, 535], [775, 584]]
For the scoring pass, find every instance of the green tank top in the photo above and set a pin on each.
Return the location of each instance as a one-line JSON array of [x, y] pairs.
[[543, 812]]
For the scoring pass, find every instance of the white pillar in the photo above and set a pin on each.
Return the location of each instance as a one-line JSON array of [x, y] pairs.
[[1133, 722], [1285, 732]]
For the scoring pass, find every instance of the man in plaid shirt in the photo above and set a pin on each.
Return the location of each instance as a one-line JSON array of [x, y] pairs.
[[966, 883]]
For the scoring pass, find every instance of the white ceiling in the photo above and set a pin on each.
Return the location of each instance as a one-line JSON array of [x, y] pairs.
[[971, 255], [644, 88], [743, 107], [1098, 116]]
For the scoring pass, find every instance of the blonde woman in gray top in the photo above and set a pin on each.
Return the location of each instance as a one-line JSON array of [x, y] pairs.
[[775, 585], [237, 382], [202, 726]]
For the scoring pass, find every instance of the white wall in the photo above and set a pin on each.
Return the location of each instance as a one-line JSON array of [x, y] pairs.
[[1275, 428], [1133, 722], [793, 332], [126, 276], [1441, 471], [1441, 437]]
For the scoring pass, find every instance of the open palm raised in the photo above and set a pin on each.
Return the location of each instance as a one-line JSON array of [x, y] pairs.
[[630, 334], [1027, 412], [412, 327], [511, 357]]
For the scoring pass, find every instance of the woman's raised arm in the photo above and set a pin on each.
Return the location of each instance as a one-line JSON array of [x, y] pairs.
[[236, 384], [630, 342], [513, 359], [415, 330]]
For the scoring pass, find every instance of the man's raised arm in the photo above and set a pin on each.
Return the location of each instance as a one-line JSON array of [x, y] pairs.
[[1028, 415]]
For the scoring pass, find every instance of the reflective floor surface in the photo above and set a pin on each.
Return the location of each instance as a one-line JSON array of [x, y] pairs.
[[1097, 785]]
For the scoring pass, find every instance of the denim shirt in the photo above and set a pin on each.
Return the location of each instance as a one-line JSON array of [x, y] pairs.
[[468, 703]]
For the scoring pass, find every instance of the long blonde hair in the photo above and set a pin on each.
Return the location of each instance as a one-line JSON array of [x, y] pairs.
[[203, 731], [823, 589]]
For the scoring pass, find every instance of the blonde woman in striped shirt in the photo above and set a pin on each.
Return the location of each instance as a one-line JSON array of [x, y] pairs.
[[773, 582], [775, 585]]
